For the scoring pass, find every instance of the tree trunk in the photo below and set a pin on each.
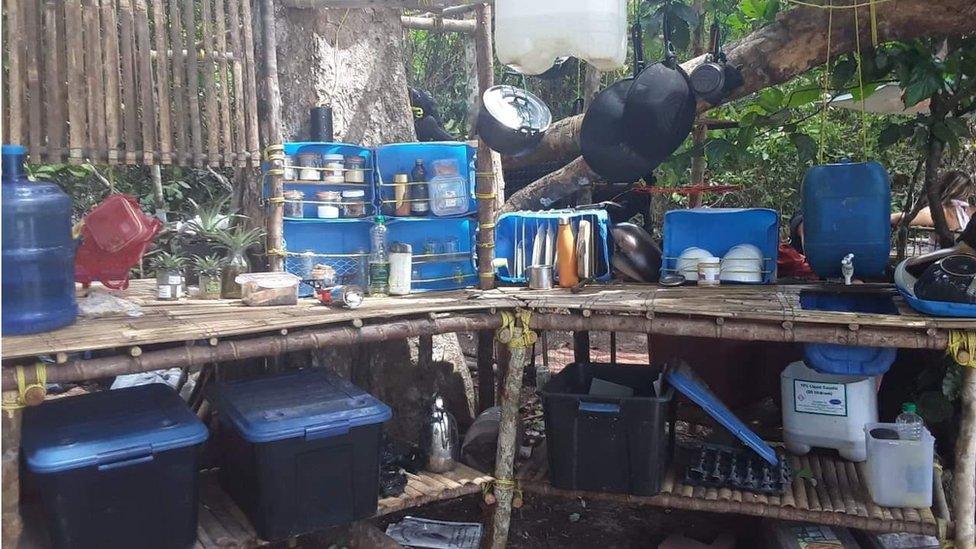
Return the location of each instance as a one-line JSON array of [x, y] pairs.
[[794, 44], [351, 60]]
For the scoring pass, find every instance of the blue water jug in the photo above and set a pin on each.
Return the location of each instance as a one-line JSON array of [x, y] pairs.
[[847, 210], [38, 275]]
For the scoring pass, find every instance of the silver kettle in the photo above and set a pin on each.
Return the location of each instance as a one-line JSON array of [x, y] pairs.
[[440, 438]]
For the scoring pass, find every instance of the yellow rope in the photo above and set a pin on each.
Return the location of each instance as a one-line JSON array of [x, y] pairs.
[[962, 347], [860, 85], [276, 251], [487, 226], [40, 374], [822, 149], [276, 200], [514, 335], [486, 196]]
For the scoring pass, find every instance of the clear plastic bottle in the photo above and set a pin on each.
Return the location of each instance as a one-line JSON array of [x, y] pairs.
[[910, 424], [379, 258]]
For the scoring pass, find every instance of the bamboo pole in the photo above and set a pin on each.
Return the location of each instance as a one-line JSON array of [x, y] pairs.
[[13, 26], [489, 174], [237, 75], [162, 83], [193, 83], [96, 91], [180, 136], [247, 34], [210, 84], [75, 83], [226, 138], [145, 82], [964, 481], [275, 244], [35, 97], [110, 72], [438, 24], [272, 345], [505, 456], [53, 113]]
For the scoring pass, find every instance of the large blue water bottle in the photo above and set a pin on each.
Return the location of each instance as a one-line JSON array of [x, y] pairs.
[[38, 251], [847, 210]]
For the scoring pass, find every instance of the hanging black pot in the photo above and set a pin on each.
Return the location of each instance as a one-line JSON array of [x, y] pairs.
[[604, 142], [659, 109], [511, 120], [714, 79]]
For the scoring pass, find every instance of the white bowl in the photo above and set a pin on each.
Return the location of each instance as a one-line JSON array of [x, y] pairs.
[[742, 263], [688, 262]]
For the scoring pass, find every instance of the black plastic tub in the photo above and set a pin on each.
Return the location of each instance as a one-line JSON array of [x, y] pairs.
[[299, 451], [608, 444]]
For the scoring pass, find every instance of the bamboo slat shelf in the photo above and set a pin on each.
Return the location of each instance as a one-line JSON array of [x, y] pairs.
[[837, 498], [222, 525]]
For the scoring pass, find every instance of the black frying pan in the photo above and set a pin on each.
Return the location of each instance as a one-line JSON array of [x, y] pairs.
[[603, 139]]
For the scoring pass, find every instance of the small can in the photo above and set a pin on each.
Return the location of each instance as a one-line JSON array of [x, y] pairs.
[[350, 297], [709, 272]]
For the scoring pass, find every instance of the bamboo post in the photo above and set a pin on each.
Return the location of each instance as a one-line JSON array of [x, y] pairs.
[[438, 24], [964, 482], [275, 247], [10, 462], [489, 174], [519, 340]]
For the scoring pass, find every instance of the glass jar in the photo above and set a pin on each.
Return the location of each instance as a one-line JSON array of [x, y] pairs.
[[209, 286], [355, 169], [334, 165], [309, 164], [328, 203], [289, 169], [294, 205], [169, 284], [353, 204], [401, 186], [236, 265]]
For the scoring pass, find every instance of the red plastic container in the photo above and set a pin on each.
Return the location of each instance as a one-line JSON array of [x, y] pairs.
[[114, 237]]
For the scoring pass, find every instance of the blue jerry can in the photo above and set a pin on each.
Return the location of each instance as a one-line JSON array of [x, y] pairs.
[[847, 210]]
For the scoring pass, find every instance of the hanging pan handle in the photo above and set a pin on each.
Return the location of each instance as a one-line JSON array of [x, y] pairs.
[[670, 57], [637, 38]]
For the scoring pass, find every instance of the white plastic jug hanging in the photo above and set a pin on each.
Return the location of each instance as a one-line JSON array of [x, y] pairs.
[[529, 36]]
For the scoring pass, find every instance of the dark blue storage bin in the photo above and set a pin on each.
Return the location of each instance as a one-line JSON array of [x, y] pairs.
[[400, 158], [299, 451], [116, 468], [846, 209], [509, 228], [438, 269], [719, 229]]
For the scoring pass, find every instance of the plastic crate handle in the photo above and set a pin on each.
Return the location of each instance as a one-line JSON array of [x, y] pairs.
[[327, 430], [599, 407], [125, 457]]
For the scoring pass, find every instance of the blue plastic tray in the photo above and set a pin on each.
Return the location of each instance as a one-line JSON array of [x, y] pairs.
[[106, 427], [719, 229], [939, 308], [309, 403], [509, 229], [400, 158], [685, 381]]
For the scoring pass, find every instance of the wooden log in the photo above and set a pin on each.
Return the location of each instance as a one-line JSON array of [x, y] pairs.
[[274, 137], [964, 481], [30, 10], [54, 111], [237, 76], [129, 98], [180, 137], [253, 140], [193, 84], [94, 63], [160, 42], [438, 24], [145, 82], [14, 28], [486, 370], [188, 356], [75, 50], [110, 71], [210, 85], [223, 77], [10, 465], [505, 455], [489, 175]]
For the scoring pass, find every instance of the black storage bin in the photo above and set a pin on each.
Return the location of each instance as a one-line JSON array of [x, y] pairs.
[[608, 444], [299, 451], [116, 469]]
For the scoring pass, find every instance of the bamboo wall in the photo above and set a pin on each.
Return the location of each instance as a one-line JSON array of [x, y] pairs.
[[112, 82]]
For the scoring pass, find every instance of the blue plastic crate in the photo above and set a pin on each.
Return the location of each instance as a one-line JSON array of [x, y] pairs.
[[340, 243], [438, 269], [309, 188], [510, 227], [719, 229], [401, 157]]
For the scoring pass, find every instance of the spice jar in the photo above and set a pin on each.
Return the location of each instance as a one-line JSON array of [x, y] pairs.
[[334, 165], [328, 204], [353, 203], [309, 163], [709, 271], [294, 205], [289, 169], [355, 169], [400, 189]]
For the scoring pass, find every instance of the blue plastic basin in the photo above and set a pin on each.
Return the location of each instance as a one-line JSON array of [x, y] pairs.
[[828, 358]]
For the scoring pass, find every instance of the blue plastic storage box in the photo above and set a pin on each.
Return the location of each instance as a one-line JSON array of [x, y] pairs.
[[299, 451], [718, 230], [518, 229], [309, 188], [848, 360], [401, 157], [116, 468], [435, 266], [847, 209]]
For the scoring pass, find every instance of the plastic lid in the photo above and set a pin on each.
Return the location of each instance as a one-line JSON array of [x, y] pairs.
[[516, 108], [564, 221], [309, 403], [380, 219], [13, 149], [684, 380], [909, 407], [353, 194], [107, 427], [269, 280]]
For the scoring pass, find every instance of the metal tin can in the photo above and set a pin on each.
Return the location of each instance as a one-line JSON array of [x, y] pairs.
[[350, 297], [709, 272]]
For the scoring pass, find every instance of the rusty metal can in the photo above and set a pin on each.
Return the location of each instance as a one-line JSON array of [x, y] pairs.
[[350, 297]]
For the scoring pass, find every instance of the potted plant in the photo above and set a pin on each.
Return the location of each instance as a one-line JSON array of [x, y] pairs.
[[169, 275], [199, 236], [208, 269], [237, 242]]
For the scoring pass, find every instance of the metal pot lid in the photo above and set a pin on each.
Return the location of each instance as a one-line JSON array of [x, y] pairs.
[[517, 109]]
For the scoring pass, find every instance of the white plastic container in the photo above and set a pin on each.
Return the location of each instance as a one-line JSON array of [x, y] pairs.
[[899, 472], [401, 268], [826, 411], [530, 36], [265, 289]]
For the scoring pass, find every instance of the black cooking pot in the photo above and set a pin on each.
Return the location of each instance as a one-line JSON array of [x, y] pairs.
[[714, 79], [642, 254], [951, 279], [603, 140], [659, 109], [511, 120]]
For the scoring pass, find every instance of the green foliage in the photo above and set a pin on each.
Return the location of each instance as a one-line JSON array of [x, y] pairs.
[[210, 265], [166, 261], [239, 240]]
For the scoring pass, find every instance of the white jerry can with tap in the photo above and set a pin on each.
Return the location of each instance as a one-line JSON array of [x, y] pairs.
[[531, 35]]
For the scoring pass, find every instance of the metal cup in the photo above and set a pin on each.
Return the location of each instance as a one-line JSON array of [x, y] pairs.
[[540, 277]]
